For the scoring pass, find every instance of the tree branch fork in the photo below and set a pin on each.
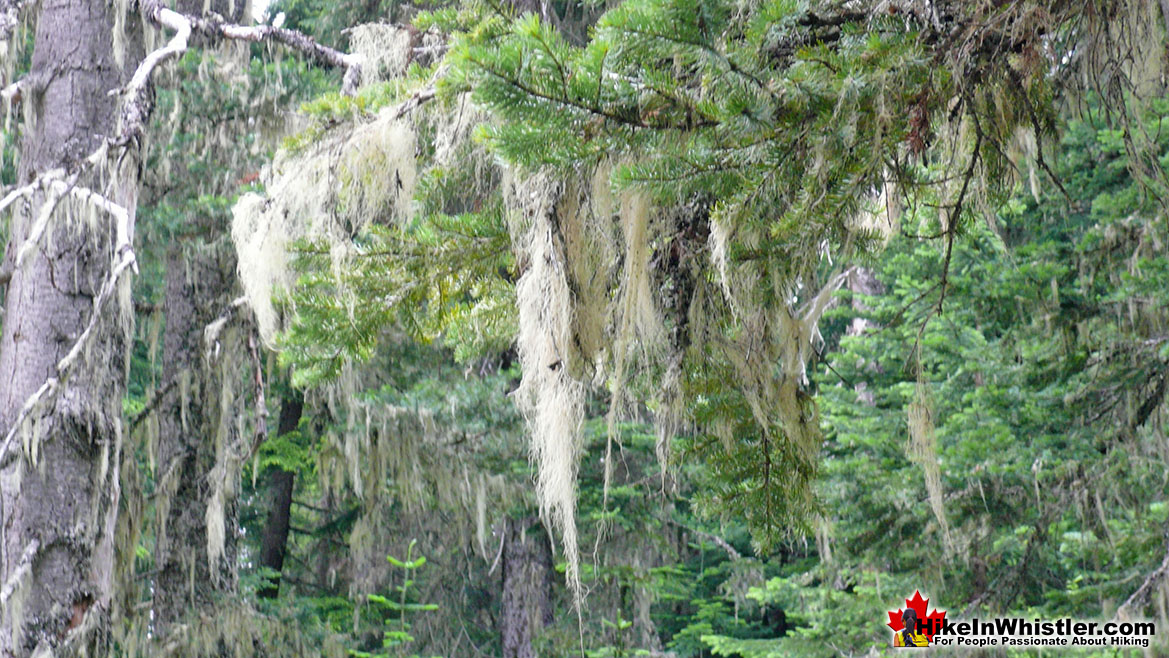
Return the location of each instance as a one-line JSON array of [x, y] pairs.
[[136, 109]]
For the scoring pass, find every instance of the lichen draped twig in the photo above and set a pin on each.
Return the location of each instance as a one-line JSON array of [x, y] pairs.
[[18, 574], [125, 261], [261, 431], [215, 28], [60, 188]]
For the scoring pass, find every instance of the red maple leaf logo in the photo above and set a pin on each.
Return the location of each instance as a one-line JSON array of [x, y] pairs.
[[931, 623]]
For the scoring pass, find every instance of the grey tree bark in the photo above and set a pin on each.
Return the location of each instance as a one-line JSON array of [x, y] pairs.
[[527, 583], [59, 496]]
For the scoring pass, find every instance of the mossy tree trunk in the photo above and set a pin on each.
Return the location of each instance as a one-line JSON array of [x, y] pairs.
[[274, 543], [196, 429], [197, 291], [59, 487]]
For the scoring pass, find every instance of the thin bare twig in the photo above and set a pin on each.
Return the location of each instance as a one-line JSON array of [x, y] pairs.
[[125, 260], [18, 574], [261, 430]]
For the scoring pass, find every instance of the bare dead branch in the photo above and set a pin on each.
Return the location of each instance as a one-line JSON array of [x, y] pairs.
[[261, 429], [498, 554], [1140, 598], [418, 98], [216, 29], [151, 405], [720, 542], [713, 539], [213, 328], [22, 568], [9, 20], [25, 190], [12, 94]]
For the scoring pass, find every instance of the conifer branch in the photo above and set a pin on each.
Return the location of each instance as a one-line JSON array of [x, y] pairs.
[[572, 103], [705, 47]]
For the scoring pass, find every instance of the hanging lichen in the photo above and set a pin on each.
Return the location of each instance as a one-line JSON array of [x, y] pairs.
[[332, 192], [923, 450], [551, 399], [385, 50]]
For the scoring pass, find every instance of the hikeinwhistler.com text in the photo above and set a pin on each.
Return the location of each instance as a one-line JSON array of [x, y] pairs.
[[1016, 632]]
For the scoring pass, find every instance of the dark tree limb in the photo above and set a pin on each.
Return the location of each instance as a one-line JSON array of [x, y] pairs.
[[274, 544], [956, 216]]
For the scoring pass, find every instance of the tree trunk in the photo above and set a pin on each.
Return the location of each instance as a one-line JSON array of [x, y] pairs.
[[59, 496], [275, 540], [527, 582], [195, 422], [197, 291]]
